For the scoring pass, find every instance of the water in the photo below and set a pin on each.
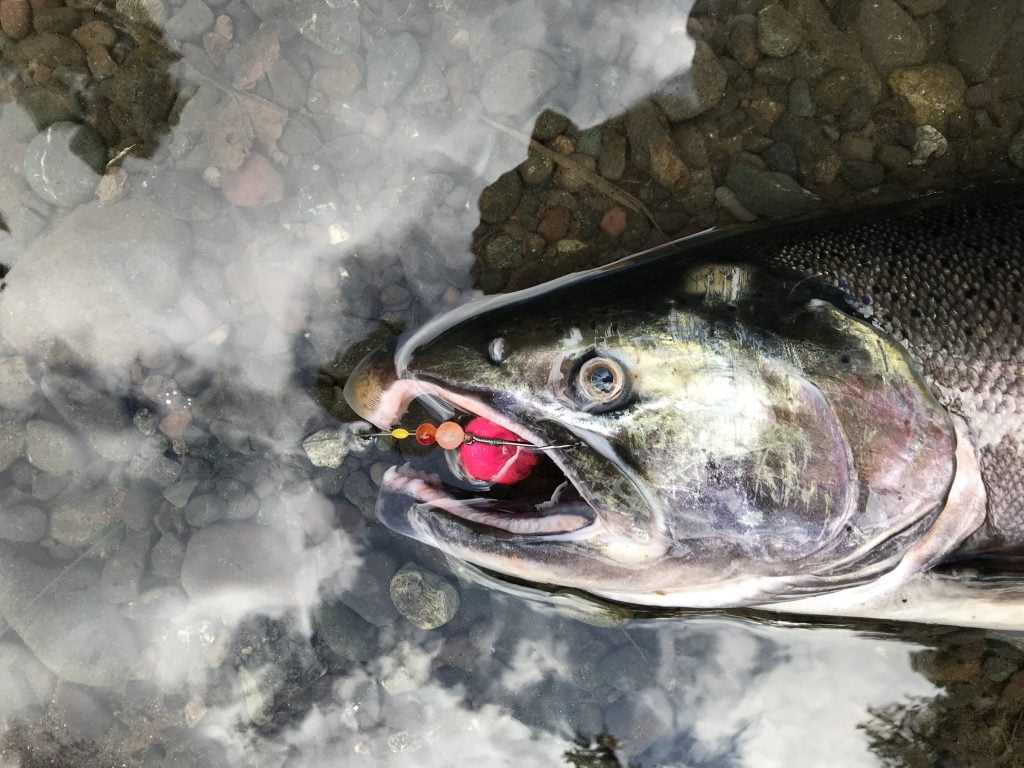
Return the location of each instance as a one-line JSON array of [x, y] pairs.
[[286, 184]]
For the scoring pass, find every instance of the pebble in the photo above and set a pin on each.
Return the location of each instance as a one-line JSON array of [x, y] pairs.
[[499, 200], [515, 82], [12, 441], [928, 143], [255, 184], [52, 447], [99, 419], [929, 94], [331, 24], [611, 162], [227, 558], [122, 572], [568, 178], [800, 101], [27, 685], [358, 489], [888, 35], [652, 148], [81, 516], [694, 93], [535, 169], [549, 124], [778, 31], [345, 632], [95, 33], [205, 509], [861, 174], [425, 599], [23, 523], [769, 193], [742, 43], [613, 222], [405, 670], [190, 20], [980, 35], [72, 630], [15, 18], [166, 557], [63, 164], [392, 63], [728, 200], [1016, 150], [555, 223], [178, 493]]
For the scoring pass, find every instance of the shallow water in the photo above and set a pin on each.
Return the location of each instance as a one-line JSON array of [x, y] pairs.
[[285, 184]]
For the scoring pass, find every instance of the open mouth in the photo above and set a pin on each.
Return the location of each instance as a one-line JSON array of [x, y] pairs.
[[545, 503]]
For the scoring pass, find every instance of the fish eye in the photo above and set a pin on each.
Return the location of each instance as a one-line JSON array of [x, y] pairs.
[[497, 350], [602, 383]]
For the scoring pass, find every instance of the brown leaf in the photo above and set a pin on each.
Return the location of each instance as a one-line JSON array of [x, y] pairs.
[[257, 57]]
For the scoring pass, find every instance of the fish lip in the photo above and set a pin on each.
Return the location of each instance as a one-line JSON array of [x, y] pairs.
[[397, 398]]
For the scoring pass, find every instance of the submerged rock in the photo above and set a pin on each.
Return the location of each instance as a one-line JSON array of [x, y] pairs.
[[769, 193], [696, 91], [929, 94], [63, 164], [517, 81], [425, 599], [778, 31]]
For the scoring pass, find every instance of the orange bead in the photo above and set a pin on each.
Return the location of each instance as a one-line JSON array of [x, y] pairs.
[[426, 434], [449, 435]]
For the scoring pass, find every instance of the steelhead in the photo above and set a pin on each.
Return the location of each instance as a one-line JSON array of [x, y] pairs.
[[821, 417]]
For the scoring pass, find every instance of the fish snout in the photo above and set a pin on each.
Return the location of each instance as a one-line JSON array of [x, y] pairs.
[[371, 378]]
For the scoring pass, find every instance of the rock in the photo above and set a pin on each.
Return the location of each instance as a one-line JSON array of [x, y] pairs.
[[980, 36], [63, 164], [205, 509], [255, 184], [861, 175], [428, 87], [652, 148], [52, 448], [928, 143], [888, 35], [781, 157], [515, 82], [167, 555], [425, 599], [742, 43], [190, 20], [226, 560], [345, 632], [23, 523], [80, 516], [95, 33], [498, 201], [568, 178], [27, 685], [1015, 152], [179, 492], [613, 222], [392, 63], [331, 24], [12, 442], [62, 618], [778, 31], [769, 193], [922, 7], [536, 168], [998, 669], [894, 157], [698, 90], [929, 94], [15, 18], [555, 223], [91, 291], [800, 103], [359, 491], [122, 573], [611, 162], [99, 419], [728, 200], [406, 670]]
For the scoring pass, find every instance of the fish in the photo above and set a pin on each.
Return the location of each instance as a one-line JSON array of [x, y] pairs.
[[822, 416]]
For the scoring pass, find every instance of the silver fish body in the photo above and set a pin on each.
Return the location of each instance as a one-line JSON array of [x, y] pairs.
[[823, 417]]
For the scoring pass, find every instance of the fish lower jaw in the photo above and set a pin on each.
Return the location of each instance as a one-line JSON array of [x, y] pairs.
[[427, 490]]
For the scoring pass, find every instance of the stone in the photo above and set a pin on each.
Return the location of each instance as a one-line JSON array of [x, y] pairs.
[[425, 599], [12, 441], [61, 616], [611, 162], [781, 157], [613, 222], [698, 90], [862, 175], [392, 63], [63, 163], [331, 24], [190, 20], [205, 509], [728, 200], [99, 419], [536, 168], [568, 178], [53, 448], [1016, 150], [778, 31], [15, 18], [81, 516], [27, 685], [929, 94], [888, 35], [928, 143], [980, 35], [923, 7], [769, 193], [498, 201], [517, 81], [555, 223], [167, 555], [255, 184], [742, 43], [346, 633], [232, 558], [652, 148], [90, 291], [23, 523], [800, 102], [122, 573]]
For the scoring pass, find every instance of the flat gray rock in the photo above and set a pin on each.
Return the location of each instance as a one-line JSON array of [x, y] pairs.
[[224, 559], [517, 81]]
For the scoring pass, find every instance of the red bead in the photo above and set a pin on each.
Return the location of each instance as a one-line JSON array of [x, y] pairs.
[[449, 435], [496, 463], [426, 434]]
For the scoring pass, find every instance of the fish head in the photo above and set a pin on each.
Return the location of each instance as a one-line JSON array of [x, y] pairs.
[[721, 435]]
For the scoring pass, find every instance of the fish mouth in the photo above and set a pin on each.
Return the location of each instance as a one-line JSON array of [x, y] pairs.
[[557, 505]]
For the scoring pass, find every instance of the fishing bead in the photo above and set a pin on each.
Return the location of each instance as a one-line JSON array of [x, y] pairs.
[[449, 435], [426, 434], [399, 433]]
